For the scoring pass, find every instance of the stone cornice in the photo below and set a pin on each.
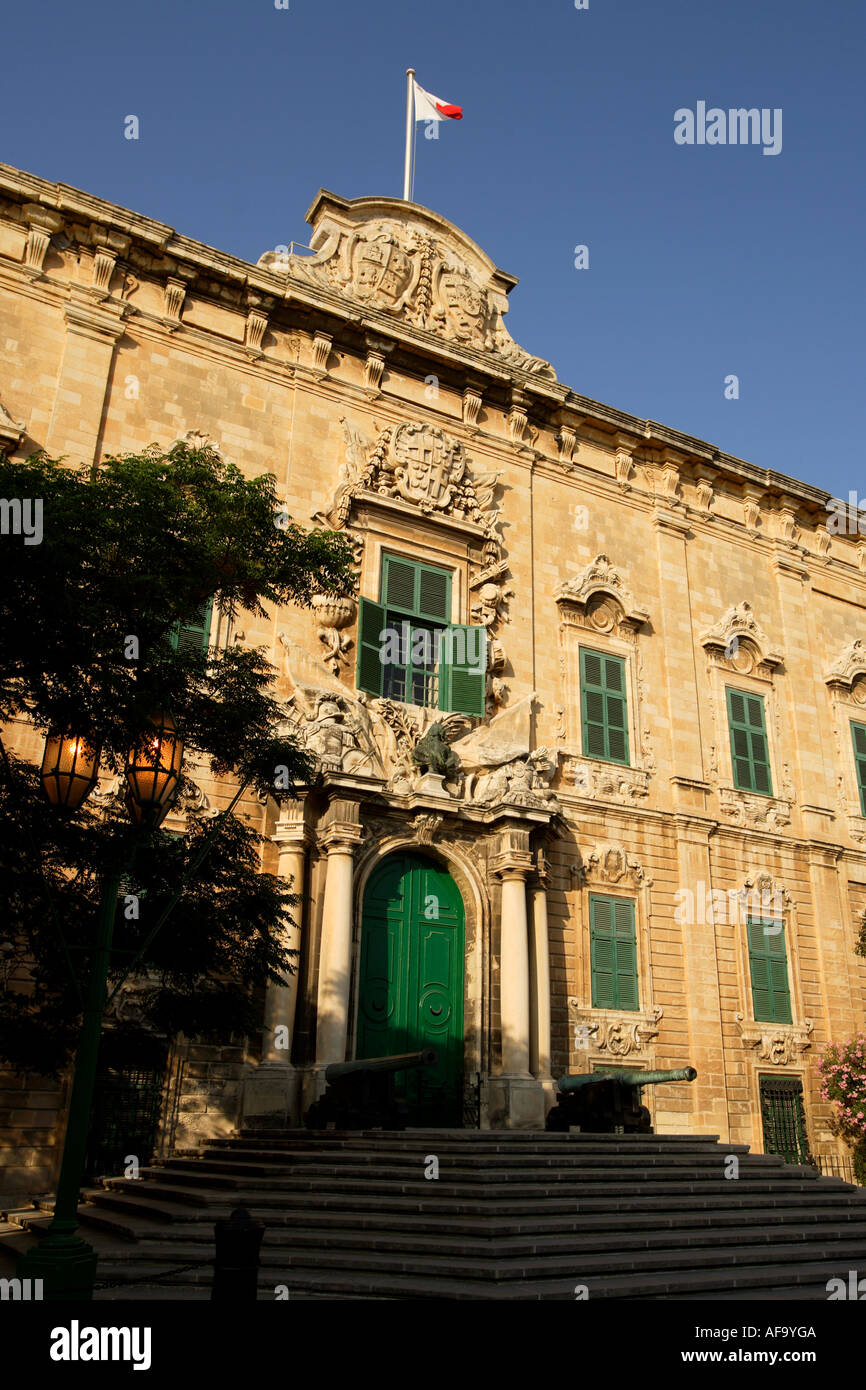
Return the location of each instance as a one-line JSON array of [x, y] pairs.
[[172, 253]]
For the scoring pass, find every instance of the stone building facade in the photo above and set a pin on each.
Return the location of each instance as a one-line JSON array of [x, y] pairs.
[[619, 821]]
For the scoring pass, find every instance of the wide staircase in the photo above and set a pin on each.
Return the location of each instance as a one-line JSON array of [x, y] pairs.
[[518, 1215]]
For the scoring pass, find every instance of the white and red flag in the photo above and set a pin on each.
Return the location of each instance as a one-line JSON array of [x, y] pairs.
[[422, 106], [430, 108]]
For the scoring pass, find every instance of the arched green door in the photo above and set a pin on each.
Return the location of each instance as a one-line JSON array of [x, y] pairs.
[[411, 982]]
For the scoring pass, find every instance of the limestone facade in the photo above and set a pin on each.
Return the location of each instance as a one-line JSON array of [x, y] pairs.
[[377, 380]]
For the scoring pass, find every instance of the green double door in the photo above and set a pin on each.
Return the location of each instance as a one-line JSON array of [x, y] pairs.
[[411, 981]]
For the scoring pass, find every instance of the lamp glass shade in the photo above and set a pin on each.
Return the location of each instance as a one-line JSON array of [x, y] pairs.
[[153, 766], [70, 770]]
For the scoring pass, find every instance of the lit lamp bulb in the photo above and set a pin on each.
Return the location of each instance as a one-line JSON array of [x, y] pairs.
[[70, 770], [153, 770]]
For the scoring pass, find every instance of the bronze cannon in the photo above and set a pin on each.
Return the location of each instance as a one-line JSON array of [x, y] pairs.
[[608, 1102], [363, 1094]]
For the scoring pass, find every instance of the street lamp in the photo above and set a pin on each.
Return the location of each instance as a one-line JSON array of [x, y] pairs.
[[70, 769], [66, 1263], [153, 769]]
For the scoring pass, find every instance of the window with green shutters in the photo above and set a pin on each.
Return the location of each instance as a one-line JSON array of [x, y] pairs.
[[193, 636], [858, 734], [768, 968], [423, 659], [603, 706], [750, 752], [613, 953]]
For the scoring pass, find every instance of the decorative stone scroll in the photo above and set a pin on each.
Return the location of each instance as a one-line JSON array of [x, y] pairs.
[[739, 627], [848, 667], [600, 577], [778, 1044], [616, 1034]]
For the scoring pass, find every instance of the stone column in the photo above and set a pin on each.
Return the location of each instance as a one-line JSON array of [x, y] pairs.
[[271, 1094], [539, 979], [342, 834], [517, 1099]]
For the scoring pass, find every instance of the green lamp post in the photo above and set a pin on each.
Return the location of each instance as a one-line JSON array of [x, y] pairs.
[[62, 1260]]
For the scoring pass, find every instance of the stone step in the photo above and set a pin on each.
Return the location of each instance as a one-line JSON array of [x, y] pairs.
[[349, 1216], [477, 1168], [691, 1270], [575, 1245]]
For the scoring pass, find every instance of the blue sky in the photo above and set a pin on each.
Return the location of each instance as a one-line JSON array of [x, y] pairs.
[[705, 260]]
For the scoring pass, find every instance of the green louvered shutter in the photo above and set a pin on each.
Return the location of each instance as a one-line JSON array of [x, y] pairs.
[[858, 734], [463, 670], [370, 668], [434, 594], [602, 954], [604, 706], [193, 636], [750, 756], [421, 591], [399, 583], [626, 954], [613, 953], [768, 967]]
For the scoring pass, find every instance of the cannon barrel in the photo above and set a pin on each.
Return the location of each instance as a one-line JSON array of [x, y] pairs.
[[406, 1061], [625, 1078]]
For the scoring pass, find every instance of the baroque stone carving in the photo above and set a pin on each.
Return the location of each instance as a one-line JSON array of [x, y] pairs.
[[432, 753], [425, 828], [334, 614], [402, 268], [618, 1036], [780, 1044], [744, 808], [600, 577], [419, 463], [850, 664], [609, 863], [737, 622], [608, 782]]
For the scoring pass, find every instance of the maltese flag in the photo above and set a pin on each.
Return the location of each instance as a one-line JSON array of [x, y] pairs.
[[430, 108]]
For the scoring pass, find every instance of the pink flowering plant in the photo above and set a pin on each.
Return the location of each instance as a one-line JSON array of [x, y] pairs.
[[842, 1072]]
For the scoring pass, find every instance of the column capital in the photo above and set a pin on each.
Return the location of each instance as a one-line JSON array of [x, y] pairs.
[[341, 839], [512, 864]]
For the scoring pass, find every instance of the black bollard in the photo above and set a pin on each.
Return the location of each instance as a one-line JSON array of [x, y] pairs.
[[236, 1266]]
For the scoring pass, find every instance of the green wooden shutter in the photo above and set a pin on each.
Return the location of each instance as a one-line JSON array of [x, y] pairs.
[[604, 706], [434, 594], [626, 954], [768, 967], [399, 583], [750, 756], [463, 670], [613, 953], [193, 636], [602, 954], [858, 734], [370, 669], [422, 591]]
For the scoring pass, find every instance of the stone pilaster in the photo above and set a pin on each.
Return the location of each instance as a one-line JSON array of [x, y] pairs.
[[92, 332]]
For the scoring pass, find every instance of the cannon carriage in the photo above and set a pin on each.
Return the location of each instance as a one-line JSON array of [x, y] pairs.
[[364, 1094], [608, 1102]]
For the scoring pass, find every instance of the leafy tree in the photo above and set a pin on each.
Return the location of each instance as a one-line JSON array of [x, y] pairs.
[[129, 551]]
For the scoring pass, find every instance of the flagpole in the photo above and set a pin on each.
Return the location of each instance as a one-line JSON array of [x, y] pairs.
[[410, 111]]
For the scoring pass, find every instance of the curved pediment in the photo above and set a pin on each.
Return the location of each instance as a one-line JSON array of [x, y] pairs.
[[403, 260]]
